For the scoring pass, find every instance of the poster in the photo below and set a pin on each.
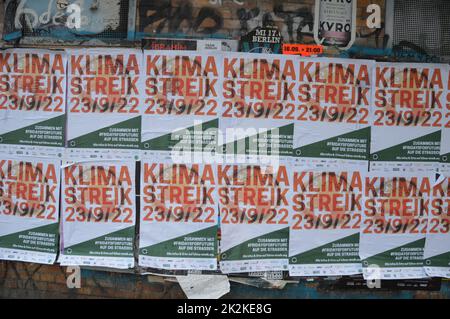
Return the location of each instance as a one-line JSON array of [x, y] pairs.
[[335, 23], [29, 208], [104, 103], [325, 221], [98, 214], [407, 116], [258, 107], [179, 214], [445, 138], [182, 101], [332, 125], [394, 225], [254, 205], [32, 101], [437, 244], [266, 40]]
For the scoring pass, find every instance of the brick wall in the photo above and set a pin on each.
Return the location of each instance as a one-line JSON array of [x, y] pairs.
[[25, 280]]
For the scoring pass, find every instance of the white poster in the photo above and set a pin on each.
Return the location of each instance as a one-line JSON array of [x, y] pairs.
[[325, 221], [394, 225], [254, 205], [407, 116], [104, 103], [98, 214], [32, 102], [437, 244], [332, 126], [29, 209], [179, 214]]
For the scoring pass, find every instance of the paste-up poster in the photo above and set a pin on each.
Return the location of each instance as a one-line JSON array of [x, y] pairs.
[[407, 116], [258, 107], [394, 225], [179, 214], [29, 209], [445, 138], [104, 103], [32, 101], [182, 101], [254, 215], [332, 125], [325, 222], [437, 244], [98, 214]]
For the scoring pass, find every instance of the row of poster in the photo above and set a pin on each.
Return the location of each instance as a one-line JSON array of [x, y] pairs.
[[232, 161], [312, 222], [113, 103]]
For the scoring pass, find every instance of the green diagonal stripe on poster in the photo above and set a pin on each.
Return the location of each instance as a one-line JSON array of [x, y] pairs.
[[251, 249], [182, 139], [327, 254], [115, 244], [352, 145], [46, 133], [41, 239], [408, 151], [388, 258], [124, 135], [442, 260], [261, 143], [180, 246]]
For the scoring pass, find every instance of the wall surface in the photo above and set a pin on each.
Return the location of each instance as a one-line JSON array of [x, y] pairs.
[[23, 280], [228, 19]]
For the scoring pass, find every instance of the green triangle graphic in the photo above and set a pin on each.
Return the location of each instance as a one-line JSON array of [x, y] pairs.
[[386, 259], [176, 247], [320, 255], [357, 148], [246, 250], [100, 138], [261, 143], [50, 132], [166, 142], [104, 246], [46, 242], [442, 260], [397, 153]]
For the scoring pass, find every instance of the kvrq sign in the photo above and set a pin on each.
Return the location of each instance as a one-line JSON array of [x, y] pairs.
[[335, 23]]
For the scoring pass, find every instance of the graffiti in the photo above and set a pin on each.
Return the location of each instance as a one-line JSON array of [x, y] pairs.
[[161, 14], [293, 27], [403, 52], [63, 18], [33, 20], [220, 2]]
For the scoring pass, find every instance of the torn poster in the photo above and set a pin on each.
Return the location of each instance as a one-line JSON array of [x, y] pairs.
[[29, 209], [98, 214]]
